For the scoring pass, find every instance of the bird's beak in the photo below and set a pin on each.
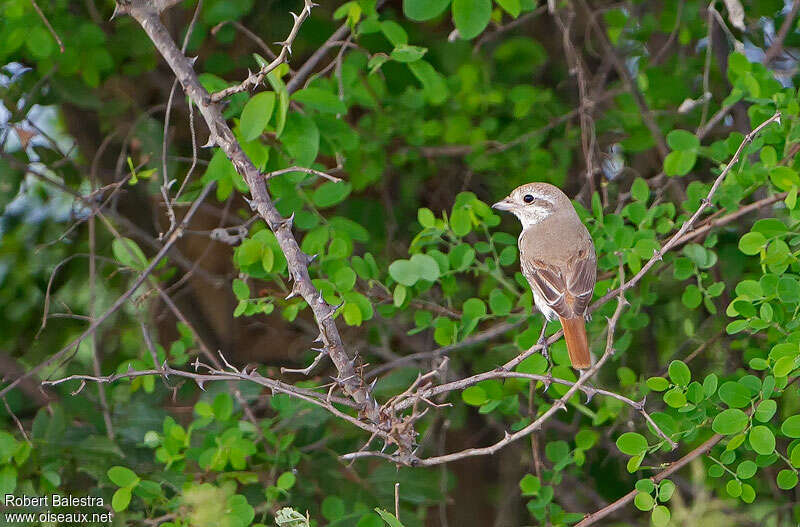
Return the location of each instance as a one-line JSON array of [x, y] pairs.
[[505, 204]]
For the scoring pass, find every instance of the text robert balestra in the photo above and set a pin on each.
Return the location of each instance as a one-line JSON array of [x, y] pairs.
[[52, 500]]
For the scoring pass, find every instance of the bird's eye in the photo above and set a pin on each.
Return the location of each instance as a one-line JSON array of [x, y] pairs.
[[527, 198]]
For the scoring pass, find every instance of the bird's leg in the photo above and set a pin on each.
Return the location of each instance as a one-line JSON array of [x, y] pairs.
[[543, 340]]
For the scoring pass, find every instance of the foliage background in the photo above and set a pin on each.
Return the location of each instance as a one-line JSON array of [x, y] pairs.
[[633, 108]]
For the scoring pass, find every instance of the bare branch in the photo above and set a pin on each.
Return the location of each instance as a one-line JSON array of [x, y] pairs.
[[257, 78]]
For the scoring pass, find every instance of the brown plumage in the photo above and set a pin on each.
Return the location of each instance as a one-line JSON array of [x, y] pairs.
[[557, 257]]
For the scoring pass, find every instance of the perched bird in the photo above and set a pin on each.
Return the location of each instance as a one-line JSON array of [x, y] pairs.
[[557, 257]]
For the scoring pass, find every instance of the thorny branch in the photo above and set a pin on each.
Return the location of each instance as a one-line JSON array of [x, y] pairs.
[[222, 136], [254, 79]]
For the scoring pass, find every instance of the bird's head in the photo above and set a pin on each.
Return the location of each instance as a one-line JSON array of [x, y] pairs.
[[533, 202]]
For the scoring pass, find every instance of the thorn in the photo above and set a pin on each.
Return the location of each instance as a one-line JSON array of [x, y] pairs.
[[291, 295], [560, 405], [294, 16], [211, 142], [200, 385], [640, 405], [589, 395], [116, 12], [192, 60], [319, 338], [657, 255], [288, 222]]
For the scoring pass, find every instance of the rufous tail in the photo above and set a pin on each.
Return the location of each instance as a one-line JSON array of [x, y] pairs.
[[577, 343]]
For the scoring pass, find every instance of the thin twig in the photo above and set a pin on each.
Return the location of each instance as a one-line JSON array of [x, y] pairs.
[[49, 26], [254, 79], [776, 48]]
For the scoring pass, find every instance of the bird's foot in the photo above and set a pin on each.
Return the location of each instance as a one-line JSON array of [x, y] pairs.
[[545, 348]]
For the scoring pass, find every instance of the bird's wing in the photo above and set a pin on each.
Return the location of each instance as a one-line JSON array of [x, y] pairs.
[[581, 279], [567, 289]]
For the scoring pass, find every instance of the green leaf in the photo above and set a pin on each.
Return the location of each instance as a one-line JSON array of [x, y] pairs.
[[128, 253], [645, 485], [433, 82], [746, 469], [406, 53], [660, 516], [512, 7], [427, 268], [473, 308], [320, 99], [240, 289], [675, 398], [765, 410], [331, 193], [679, 162], [665, 490], [389, 518], [729, 422], [344, 279], [644, 501], [421, 10], [682, 140], [752, 243], [256, 114], [791, 427], [762, 440], [734, 488], [122, 476], [286, 481], [475, 396], [734, 394], [787, 479], [640, 190], [784, 178], [586, 439], [352, 314], [657, 384], [499, 303], [399, 295], [679, 373], [301, 138], [471, 16], [121, 499], [530, 485], [394, 33], [632, 443], [404, 272], [223, 406], [788, 290], [426, 218], [461, 222]]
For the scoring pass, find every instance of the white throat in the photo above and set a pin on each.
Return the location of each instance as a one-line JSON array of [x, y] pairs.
[[532, 215]]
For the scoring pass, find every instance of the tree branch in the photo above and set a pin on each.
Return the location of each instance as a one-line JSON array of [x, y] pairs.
[[222, 136]]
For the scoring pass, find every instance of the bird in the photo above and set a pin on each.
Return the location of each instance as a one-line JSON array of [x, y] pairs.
[[558, 259]]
